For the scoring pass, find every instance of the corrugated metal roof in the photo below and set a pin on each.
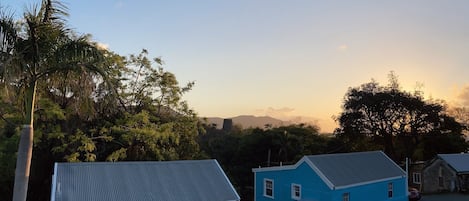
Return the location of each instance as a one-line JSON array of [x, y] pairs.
[[356, 168], [460, 162], [191, 180]]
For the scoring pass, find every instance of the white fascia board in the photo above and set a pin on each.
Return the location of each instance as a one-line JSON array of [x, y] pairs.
[[227, 180], [368, 182], [403, 171], [54, 183], [291, 167], [275, 168], [319, 173]]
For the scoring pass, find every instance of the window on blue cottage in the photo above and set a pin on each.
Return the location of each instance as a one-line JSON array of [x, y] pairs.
[[269, 188], [295, 191], [390, 190], [346, 197]]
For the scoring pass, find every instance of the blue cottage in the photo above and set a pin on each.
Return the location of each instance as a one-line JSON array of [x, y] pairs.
[[359, 176]]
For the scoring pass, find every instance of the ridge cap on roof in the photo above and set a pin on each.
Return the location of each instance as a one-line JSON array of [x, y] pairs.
[[132, 162], [311, 158], [312, 162], [454, 154], [346, 153]]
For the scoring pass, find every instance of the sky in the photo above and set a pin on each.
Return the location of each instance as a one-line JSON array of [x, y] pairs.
[[287, 59]]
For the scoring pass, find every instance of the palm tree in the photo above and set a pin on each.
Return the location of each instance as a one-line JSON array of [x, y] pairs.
[[34, 50]]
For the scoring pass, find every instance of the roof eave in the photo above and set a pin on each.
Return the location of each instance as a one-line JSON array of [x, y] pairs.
[[369, 182], [319, 173], [227, 180]]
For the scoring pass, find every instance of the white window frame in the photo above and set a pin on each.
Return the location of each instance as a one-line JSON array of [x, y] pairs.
[[293, 191], [272, 188], [346, 197], [416, 178]]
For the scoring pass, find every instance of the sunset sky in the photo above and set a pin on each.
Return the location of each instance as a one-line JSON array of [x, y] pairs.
[[287, 59]]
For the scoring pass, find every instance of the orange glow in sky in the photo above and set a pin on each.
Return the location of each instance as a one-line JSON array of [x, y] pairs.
[[287, 59]]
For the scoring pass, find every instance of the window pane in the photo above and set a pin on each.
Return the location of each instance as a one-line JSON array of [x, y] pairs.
[[346, 197], [296, 191], [268, 192], [390, 190], [268, 188]]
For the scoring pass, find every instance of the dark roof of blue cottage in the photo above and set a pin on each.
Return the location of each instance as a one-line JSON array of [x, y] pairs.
[[356, 168], [191, 180], [348, 169], [459, 162]]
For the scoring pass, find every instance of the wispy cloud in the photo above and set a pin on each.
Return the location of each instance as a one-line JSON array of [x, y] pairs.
[[285, 114], [275, 112], [119, 4], [102, 46], [463, 96], [459, 96], [343, 47]]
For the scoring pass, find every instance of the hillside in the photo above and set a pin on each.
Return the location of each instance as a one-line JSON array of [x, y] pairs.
[[247, 121]]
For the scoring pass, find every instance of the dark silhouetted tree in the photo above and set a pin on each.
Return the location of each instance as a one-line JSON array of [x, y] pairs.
[[388, 118]]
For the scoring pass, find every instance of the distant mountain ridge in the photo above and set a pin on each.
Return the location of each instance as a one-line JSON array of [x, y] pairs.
[[249, 121]]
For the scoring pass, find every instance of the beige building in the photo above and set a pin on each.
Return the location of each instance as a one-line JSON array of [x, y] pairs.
[[446, 173]]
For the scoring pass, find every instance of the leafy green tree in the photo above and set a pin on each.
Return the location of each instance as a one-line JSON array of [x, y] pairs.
[[157, 124], [377, 117], [238, 151], [148, 86], [86, 103], [8, 147], [32, 51], [144, 140]]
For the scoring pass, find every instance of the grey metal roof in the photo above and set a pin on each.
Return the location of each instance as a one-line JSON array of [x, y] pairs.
[[191, 180], [459, 162], [356, 168]]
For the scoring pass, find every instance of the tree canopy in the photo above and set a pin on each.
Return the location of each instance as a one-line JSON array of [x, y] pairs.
[[33, 51], [388, 118], [92, 104], [86, 103]]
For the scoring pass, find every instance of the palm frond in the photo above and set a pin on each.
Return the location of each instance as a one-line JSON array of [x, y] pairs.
[[7, 32], [8, 38], [76, 55], [53, 11]]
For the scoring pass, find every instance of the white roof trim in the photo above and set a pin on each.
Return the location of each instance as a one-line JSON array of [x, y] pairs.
[[227, 180], [323, 177], [275, 168], [395, 164], [292, 167], [319, 173], [54, 183], [368, 182]]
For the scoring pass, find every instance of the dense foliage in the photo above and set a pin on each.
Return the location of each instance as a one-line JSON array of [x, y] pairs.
[[240, 150], [87, 103], [91, 104], [402, 124], [34, 51]]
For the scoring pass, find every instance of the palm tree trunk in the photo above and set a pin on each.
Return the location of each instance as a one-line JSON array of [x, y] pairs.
[[25, 148], [23, 163]]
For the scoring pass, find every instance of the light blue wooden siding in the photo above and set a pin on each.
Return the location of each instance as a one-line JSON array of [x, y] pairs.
[[375, 191], [312, 187]]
